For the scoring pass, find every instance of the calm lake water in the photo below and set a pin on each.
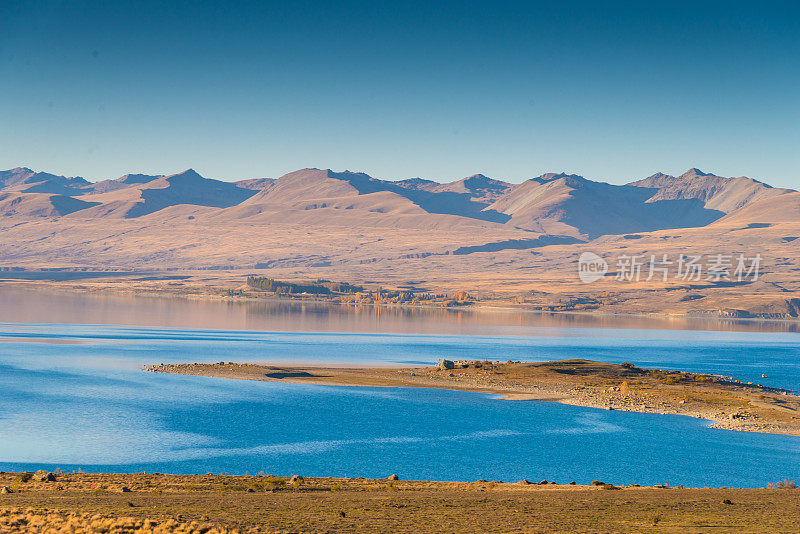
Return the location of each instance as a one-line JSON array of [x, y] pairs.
[[72, 395]]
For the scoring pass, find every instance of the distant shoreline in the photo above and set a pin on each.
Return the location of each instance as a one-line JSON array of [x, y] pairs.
[[730, 404], [478, 306]]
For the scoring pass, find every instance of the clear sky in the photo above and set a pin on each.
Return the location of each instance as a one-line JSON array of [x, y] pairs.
[[610, 90]]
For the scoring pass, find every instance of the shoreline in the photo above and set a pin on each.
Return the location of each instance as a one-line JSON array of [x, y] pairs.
[[478, 306], [729, 404]]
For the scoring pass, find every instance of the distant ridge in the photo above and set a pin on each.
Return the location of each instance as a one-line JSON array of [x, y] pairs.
[[568, 204], [122, 182], [716, 192], [145, 197], [24, 179], [557, 204], [299, 187]]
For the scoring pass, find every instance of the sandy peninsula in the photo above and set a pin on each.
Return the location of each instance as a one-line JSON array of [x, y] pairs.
[[729, 403]]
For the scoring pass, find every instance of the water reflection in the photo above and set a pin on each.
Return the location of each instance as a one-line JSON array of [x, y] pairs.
[[31, 306]]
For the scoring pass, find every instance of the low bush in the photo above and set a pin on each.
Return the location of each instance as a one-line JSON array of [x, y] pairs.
[[783, 484]]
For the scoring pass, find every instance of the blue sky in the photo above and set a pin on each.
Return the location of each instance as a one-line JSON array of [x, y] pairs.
[[610, 90]]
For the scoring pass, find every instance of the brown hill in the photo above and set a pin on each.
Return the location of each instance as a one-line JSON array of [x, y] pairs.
[[26, 180], [14, 176], [784, 208], [187, 187], [479, 187], [312, 188], [305, 185], [551, 204], [554, 204], [716, 192], [129, 180], [256, 184], [563, 204], [39, 204], [418, 184]]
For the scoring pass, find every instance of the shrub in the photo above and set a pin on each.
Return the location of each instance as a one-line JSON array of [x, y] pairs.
[[783, 484], [273, 484]]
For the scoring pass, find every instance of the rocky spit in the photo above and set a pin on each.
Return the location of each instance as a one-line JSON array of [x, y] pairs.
[[728, 403]]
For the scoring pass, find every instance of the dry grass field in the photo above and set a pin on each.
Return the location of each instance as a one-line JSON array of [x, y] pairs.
[[186, 503]]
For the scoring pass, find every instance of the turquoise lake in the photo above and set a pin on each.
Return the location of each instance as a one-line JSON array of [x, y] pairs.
[[74, 396]]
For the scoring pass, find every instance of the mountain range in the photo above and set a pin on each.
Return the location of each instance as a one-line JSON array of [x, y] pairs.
[[497, 240], [553, 204]]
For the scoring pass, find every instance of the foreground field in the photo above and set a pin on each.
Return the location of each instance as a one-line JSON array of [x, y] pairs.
[[196, 503]]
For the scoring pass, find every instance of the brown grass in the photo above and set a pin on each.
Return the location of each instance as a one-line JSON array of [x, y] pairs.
[[362, 505]]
